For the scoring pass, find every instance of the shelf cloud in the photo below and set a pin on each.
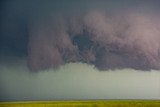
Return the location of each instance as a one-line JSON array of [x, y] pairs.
[[106, 34], [122, 40]]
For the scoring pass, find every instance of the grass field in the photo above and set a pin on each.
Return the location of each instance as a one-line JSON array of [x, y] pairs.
[[85, 103]]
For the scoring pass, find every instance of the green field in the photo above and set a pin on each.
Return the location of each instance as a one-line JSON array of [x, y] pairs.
[[85, 103]]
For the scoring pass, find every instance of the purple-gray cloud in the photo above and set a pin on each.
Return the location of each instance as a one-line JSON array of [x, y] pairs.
[[108, 34], [128, 39]]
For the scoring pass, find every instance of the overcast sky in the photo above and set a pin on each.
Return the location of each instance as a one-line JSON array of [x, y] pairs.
[[90, 67]]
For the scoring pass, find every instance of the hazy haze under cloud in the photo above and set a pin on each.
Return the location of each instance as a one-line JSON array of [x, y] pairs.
[[76, 81]]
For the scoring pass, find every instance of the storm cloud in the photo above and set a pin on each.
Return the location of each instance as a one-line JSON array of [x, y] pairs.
[[70, 41], [106, 34], [122, 40]]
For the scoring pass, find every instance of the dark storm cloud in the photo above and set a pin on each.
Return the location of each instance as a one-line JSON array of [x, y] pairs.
[[107, 34], [122, 40], [13, 27]]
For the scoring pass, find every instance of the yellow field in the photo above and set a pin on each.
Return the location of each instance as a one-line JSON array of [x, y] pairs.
[[85, 103]]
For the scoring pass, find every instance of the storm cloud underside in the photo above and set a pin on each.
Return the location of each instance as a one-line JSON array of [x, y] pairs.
[[106, 34], [122, 40]]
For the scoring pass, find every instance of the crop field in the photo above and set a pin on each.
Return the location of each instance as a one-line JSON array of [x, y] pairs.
[[85, 103]]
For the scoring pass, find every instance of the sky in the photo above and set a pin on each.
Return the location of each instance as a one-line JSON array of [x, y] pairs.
[[77, 49]]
